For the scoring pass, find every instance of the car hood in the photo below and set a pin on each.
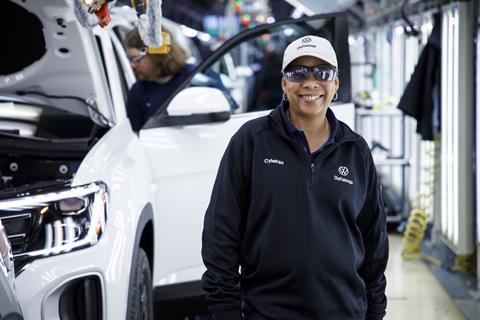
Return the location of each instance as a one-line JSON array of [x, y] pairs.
[[47, 53]]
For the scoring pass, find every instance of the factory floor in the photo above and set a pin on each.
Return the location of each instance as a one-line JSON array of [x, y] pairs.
[[413, 292]]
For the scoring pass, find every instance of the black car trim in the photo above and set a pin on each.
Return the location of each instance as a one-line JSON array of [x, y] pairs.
[[179, 300]]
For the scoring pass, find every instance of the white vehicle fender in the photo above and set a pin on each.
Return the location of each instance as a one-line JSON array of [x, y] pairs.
[[119, 161]]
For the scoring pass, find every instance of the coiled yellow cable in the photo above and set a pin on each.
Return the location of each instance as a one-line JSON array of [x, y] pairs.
[[418, 220], [414, 233]]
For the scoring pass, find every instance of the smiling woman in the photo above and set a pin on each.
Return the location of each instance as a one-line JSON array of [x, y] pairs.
[[317, 223], [310, 83], [309, 99]]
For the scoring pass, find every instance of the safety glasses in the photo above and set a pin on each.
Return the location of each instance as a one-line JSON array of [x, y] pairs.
[[320, 72], [137, 59]]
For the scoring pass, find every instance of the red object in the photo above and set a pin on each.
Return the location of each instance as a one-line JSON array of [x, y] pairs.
[[245, 20], [103, 15]]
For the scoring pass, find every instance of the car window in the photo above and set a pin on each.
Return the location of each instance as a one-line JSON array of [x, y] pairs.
[[249, 73], [247, 68]]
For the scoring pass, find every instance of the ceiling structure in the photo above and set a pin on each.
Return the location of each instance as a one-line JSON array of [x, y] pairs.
[[366, 12], [361, 12]]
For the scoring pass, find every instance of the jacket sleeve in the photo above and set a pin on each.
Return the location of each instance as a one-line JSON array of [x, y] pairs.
[[222, 231], [134, 107], [372, 223]]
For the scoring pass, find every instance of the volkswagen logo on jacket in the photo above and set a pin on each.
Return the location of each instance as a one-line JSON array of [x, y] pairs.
[[343, 171]]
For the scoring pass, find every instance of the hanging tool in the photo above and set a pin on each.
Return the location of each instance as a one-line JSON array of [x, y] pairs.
[[98, 7], [103, 15], [149, 14]]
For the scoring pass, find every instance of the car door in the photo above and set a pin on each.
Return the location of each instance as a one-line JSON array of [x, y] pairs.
[[185, 139]]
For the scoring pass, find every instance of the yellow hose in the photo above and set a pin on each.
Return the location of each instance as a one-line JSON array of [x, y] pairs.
[[418, 221], [414, 232], [466, 264]]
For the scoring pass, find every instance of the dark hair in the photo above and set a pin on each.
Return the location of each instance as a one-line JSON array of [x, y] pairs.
[[166, 64]]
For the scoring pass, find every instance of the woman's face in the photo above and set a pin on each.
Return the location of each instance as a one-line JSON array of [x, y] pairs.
[[310, 98], [141, 64]]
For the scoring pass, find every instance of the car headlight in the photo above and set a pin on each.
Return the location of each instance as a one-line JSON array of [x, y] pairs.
[[6, 256], [45, 224]]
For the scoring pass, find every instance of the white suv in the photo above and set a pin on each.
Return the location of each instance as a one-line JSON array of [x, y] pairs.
[[106, 223]]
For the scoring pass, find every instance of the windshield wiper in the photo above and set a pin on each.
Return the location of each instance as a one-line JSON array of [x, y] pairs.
[[89, 104]]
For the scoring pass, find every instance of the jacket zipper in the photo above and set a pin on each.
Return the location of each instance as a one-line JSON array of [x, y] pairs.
[[320, 157], [312, 170], [324, 153]]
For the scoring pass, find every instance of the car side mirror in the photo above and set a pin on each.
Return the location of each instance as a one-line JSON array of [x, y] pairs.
[[196, 105], [198, 100]]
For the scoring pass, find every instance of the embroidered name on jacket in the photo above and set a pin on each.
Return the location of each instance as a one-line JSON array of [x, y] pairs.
[[344, 172], [273, 161]]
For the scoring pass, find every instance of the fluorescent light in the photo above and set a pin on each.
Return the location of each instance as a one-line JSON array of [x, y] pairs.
[[288, 32], [297, 13], [297, 4], [399, 30]]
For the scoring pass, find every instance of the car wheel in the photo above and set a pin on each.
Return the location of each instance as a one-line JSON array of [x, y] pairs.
[[140, 304]]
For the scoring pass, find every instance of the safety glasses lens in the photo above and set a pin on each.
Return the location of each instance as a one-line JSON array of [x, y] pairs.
[[324, 73], [137, 59], [300, 73], [297, 74]]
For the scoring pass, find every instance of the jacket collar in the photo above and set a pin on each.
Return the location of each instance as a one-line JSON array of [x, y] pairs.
[[343, 132]]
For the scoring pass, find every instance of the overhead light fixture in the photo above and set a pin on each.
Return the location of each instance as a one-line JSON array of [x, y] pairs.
[[299, 6], [297, 13], [270, 19]]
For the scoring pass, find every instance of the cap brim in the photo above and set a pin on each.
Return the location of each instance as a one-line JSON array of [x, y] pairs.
[[310, 54]]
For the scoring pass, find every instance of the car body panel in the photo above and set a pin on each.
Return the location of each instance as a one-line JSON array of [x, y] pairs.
[[9, 305], [182, 192], [108, 259], [69, 53]]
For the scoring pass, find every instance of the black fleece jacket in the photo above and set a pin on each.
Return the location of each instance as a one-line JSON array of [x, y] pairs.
[[310, 238]]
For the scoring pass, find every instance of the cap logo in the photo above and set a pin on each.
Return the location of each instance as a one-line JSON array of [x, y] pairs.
[[306, 46], [307, 39]]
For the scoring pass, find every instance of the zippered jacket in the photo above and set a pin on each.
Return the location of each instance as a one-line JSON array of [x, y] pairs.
[[310, 238]]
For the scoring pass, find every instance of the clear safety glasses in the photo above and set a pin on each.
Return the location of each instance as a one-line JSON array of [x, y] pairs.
[[138, 58]]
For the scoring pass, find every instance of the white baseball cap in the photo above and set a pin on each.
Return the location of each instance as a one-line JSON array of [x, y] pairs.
[[310, 46]]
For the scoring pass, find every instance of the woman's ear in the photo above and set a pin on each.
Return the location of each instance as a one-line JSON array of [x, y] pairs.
[[283, 83], [337, 84]]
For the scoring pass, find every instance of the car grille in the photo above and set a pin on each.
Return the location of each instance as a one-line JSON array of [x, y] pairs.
[[82, 299], [20, 227]]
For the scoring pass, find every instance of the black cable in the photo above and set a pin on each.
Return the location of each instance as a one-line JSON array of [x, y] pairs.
[[410, 31], [89, 105]]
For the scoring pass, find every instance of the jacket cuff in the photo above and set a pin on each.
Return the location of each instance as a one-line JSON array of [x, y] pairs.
[[228, 315]]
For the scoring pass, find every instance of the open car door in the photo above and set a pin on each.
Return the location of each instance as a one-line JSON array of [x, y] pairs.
[[185, 139]]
